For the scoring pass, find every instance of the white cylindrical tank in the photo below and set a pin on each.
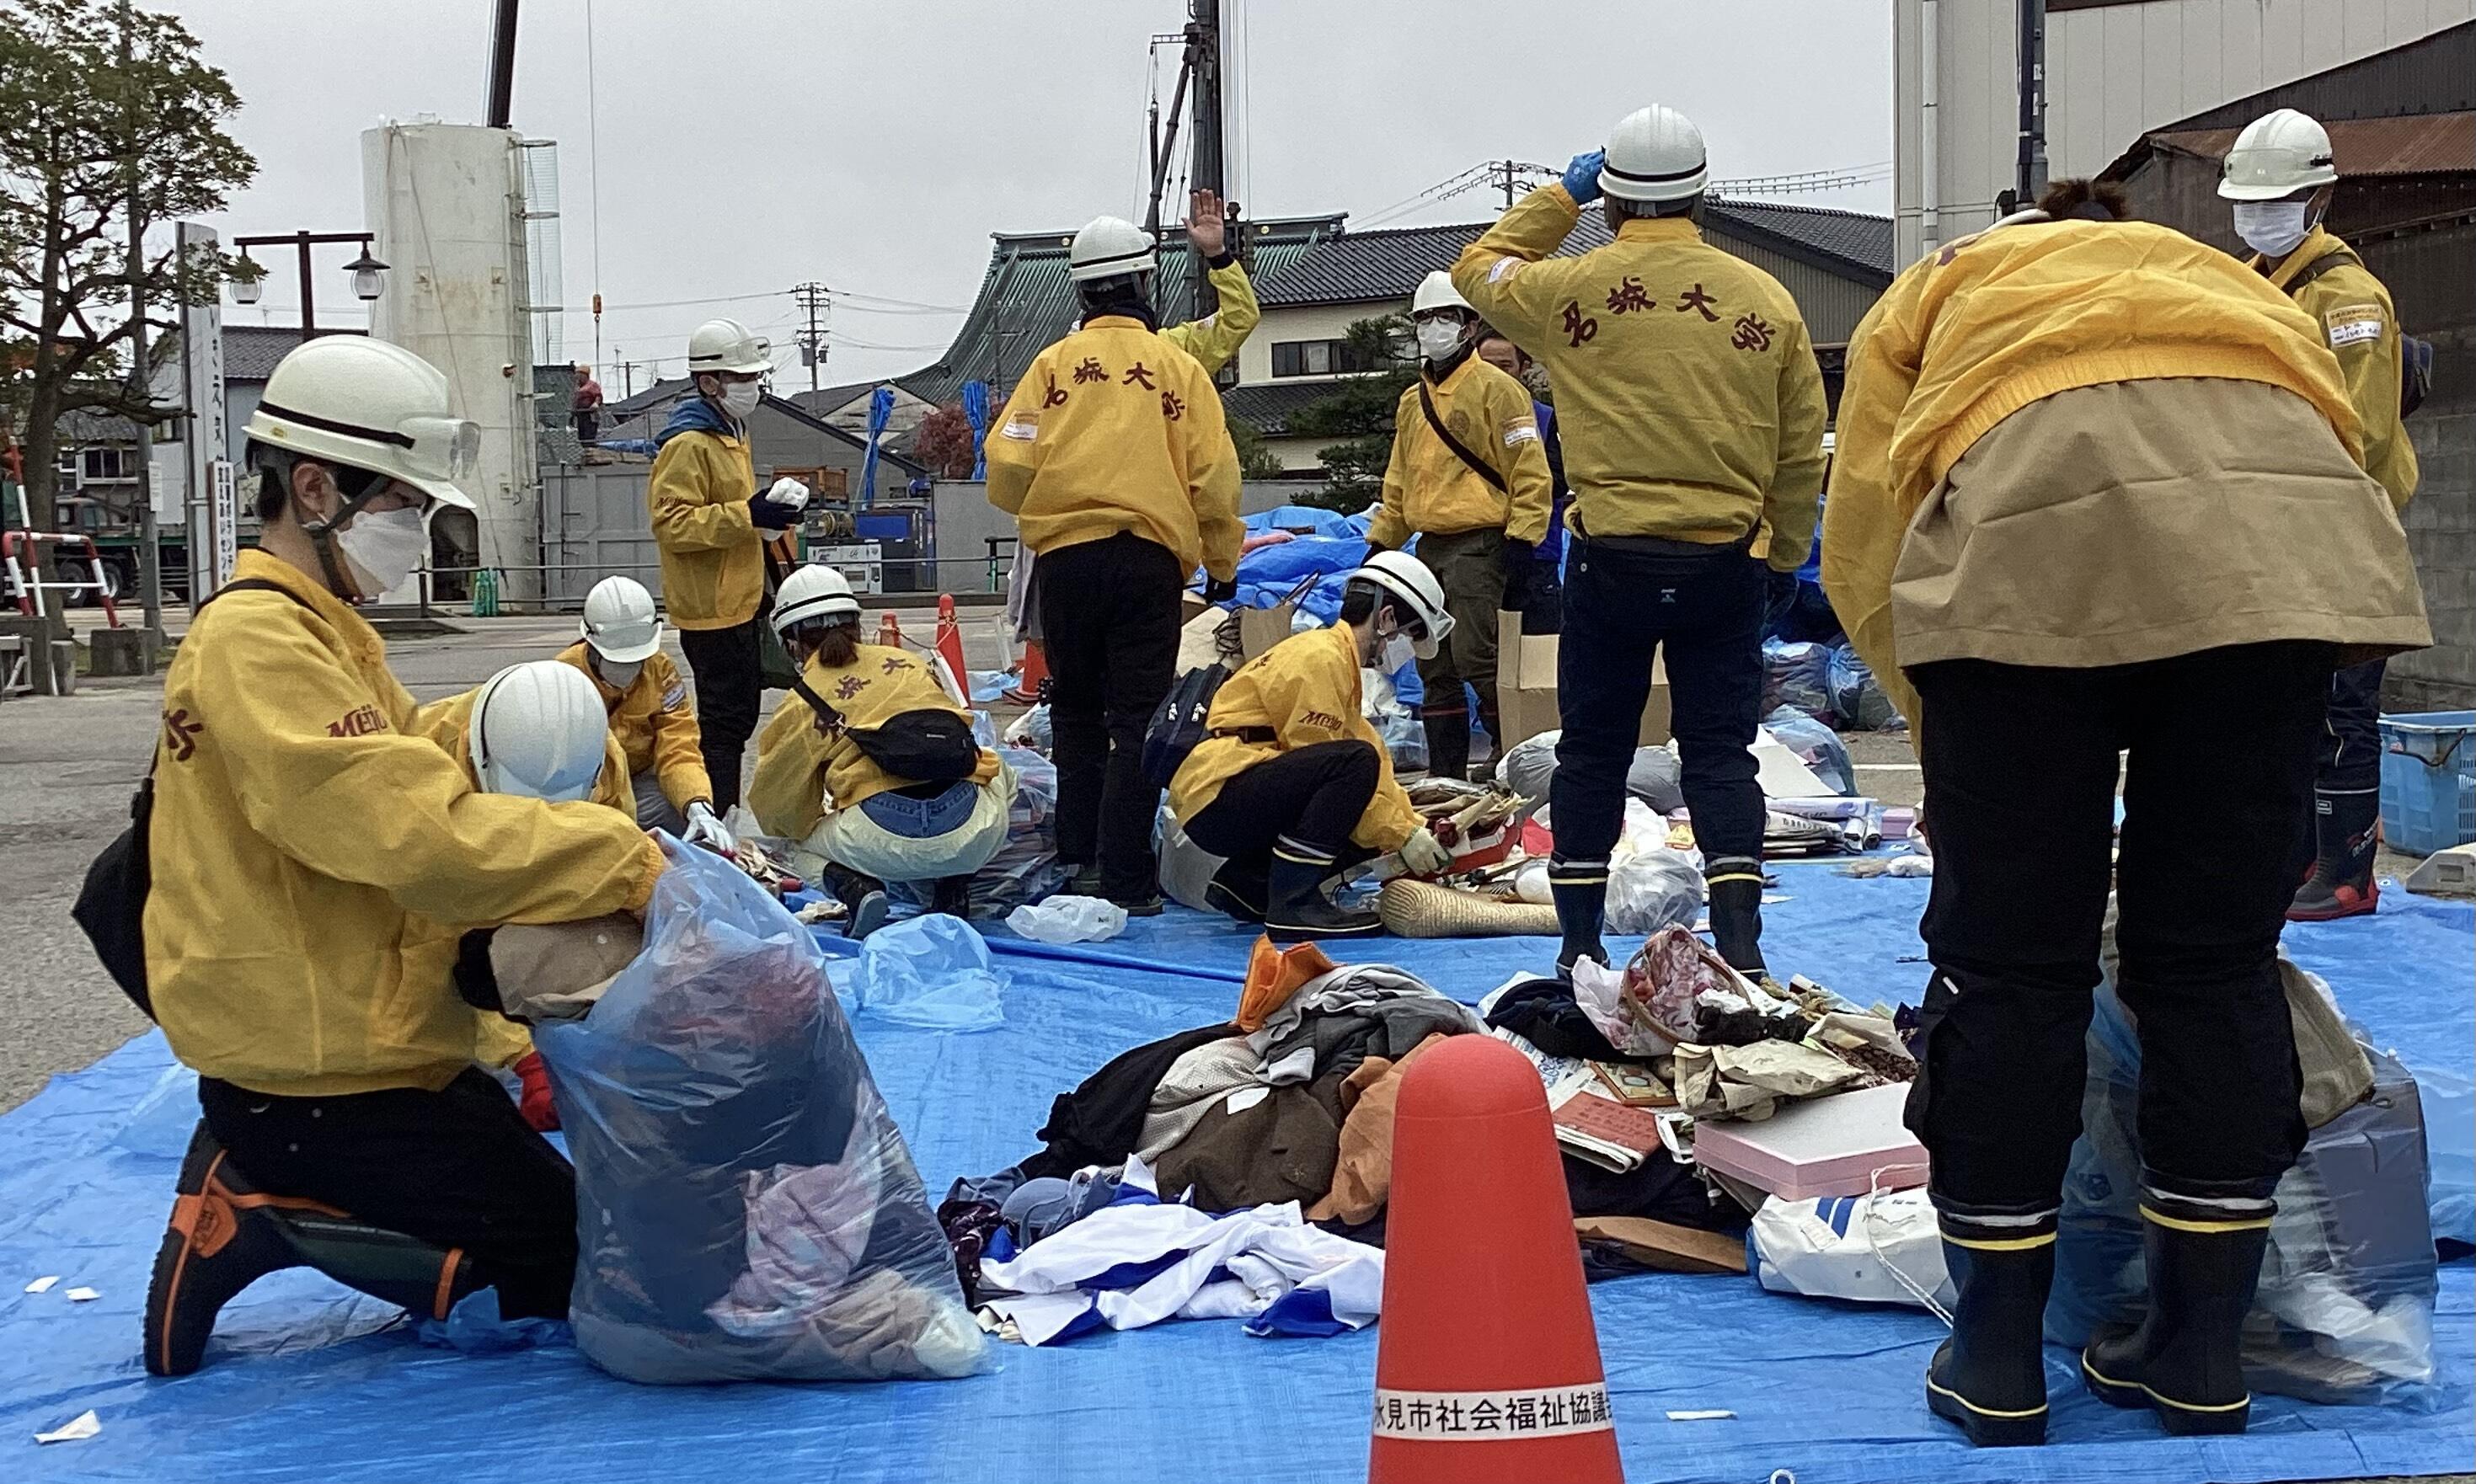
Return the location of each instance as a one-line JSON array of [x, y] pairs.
[[447, 204]]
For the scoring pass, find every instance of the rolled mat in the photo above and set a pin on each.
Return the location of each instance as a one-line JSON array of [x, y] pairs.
[[1424, 910]]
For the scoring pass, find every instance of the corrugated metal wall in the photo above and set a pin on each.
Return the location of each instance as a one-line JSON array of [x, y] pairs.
[[1832, 305]]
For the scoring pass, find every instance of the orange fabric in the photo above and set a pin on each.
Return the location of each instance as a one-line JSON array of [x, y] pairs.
[[443, 1298], [1272, 976], [1362, 1181]]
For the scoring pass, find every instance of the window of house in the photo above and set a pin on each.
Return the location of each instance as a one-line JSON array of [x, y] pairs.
[[1318, 358], [107, 464]]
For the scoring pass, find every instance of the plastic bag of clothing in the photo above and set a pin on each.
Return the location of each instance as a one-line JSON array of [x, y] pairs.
[[1030, 729], [1816, 745], [1655, 779], [1797, 675], [1857, 698], [1528, 764], [1025, 868], [932, 972], [1876, 1248], [2344, 1310], [1068, 920], [749, 1209], [1652, 889]]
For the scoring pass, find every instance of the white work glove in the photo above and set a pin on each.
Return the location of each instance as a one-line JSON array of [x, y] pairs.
[[1423, 855], [705, 830], [789, 491]]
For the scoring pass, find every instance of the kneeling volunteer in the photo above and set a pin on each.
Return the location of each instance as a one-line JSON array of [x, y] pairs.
[[651, 715], [1291, 784], [303, 837], [870, 763]]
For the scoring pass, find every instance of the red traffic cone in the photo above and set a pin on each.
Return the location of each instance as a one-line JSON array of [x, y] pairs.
[[950, 640], [889, 631], [1025, 690], [1487, 1366]]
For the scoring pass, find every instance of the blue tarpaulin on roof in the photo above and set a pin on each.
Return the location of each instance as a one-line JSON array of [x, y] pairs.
[[305, 1382]]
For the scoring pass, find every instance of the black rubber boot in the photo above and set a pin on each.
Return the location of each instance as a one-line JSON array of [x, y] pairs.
[[863, 899], [1493, 724], [1735, 884], [1582, 892], [2183, 1361], [2347, 834], [1990, 1376], [1299, 909], [1084, 882], [1241, 891], [952, 894], [1447, 732]]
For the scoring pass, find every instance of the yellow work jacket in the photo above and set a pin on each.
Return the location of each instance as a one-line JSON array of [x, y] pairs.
[[802, 770], [1115, 429], [1427, 487], [654, 723], [1688, 400], [2015, 314], [713, 562], [2353, 315], [1215, 337], [1305, 690], [308, 849]]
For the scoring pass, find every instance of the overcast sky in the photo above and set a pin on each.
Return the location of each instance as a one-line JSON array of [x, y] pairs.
[[744, 145]]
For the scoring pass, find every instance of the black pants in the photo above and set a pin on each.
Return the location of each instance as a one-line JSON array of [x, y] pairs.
[[588, 426], [2020, 785], [1109, 620], [1703, 608], [456, 1168], [2351, 740], [1312, 795], [728, 667]]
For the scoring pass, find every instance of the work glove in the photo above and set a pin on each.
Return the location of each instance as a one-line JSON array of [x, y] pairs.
[[476, 981], [770, 514], [1423, 855], [1220, 589], [707, 829], [540, 1113], [1517, 583], [1375, 546], [1582, 175], [1780, 596], [789, 491]]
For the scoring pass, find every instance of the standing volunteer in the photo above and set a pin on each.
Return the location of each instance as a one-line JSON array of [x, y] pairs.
[[650, 716], [1469, 479], [1290, 784], [304, 841], [2052, 537], [711, 523], [1691, 412], [869, 764], [1113, 457], [1542, 609], [2281, 175]]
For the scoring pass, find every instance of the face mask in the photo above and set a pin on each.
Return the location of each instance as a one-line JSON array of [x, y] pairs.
[[2272, 229], [740, 398], [614, 674], [1395, 652], [382, 548], [1439, 339]]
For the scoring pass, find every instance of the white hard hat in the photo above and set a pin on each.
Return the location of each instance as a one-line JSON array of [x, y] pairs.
[[538, 730], [728, 346], [351, 400], [1436, 291], [813, 594], [1406, 577], [1654, 154], [1109, 247], [620, 622], [2277, 155]]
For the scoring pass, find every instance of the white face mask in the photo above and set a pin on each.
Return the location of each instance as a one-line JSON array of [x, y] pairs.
[[1439, 337], [2272, 229], [1394, 652], [740, 398], [382, 547], [616, 674]]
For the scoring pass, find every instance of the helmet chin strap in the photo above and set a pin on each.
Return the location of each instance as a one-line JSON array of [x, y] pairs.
[[322, 535]]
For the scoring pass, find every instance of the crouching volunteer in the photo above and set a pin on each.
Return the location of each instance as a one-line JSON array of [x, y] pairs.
[[2052, 535], [305, 840], [652, 718], [870, 765], [1291, 784]]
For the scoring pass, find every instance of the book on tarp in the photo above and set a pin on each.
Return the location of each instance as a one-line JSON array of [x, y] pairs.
[[1591, 1124], [1847, 1144]]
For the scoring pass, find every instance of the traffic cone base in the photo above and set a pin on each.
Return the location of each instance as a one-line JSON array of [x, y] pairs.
[[1025, 690], [950, 640]]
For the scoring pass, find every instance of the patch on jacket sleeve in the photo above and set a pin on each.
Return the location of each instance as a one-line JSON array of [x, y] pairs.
[[675, 697], [1520, 430], [1503, 268], [2353, 324], [1020, 428]]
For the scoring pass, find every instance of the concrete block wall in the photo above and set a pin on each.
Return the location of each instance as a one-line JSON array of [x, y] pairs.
[[2441, 533]]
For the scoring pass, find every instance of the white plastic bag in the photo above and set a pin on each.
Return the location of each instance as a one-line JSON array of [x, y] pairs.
[[1653, 889], [1876, 1248], [931, 971], [1069, 920]]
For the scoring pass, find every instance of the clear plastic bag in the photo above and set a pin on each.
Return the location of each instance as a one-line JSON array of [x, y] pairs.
[[1030, 729], [1652, 889], [1857, 698], [1797, 675], [1528, 764], [749, 1211], [1025, 868], [1069, 920], [1816, 745], [932, 972]]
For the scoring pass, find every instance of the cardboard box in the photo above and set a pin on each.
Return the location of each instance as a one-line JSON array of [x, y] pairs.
[[1525, 687], [1830, 1145]]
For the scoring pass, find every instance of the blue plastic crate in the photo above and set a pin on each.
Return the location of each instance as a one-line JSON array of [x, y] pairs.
[[2429, 781]]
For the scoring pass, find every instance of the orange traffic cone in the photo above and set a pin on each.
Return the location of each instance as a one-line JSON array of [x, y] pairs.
[[1487, 1366], [1035, 674], [950, 640], [889, 631]]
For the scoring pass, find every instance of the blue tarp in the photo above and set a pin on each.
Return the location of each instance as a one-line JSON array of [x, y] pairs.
[[303, 1384]]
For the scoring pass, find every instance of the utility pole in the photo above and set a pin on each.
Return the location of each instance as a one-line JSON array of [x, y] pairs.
[[1205, 169], [150, 565], [1507, 183], [2031, 181], [817, 301]]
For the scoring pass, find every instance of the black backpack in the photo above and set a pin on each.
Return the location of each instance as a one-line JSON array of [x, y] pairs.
[[1180, 724], [2416, 355], [111, 906], [926, 746]]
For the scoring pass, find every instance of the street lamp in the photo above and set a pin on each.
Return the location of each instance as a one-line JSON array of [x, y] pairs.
[[245, 284], [368, 275]]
